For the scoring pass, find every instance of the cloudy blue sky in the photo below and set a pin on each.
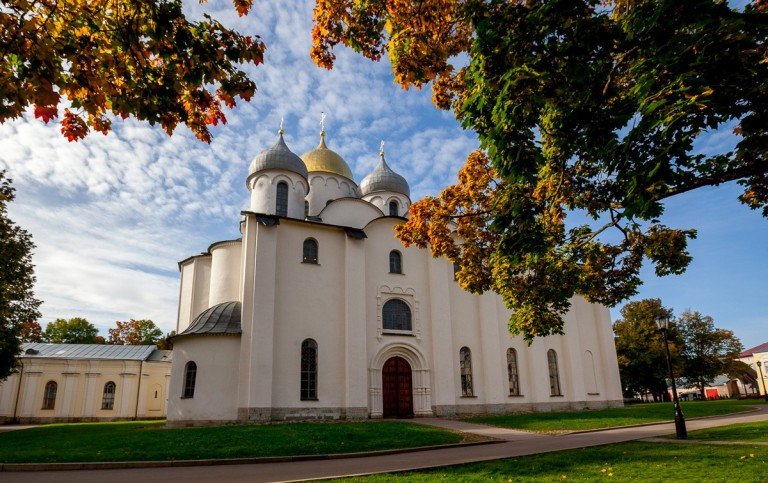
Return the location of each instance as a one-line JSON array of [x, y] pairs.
[[111, 215]]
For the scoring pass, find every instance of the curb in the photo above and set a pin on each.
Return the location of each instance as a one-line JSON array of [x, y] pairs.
[[755, 409], [114, 465]]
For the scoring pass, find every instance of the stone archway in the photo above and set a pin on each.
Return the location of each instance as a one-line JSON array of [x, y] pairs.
[[421, 393]]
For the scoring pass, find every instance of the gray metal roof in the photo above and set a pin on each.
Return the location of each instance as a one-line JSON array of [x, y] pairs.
[[384, 179], [87, 351], [223, 318], [278, 157], [161, 356]]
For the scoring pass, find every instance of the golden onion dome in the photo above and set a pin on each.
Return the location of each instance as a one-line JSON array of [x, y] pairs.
[[323, 159]]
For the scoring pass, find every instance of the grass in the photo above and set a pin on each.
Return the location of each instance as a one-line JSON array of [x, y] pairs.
[[647, 462], [151, 441], [735, 432], [604, 418]]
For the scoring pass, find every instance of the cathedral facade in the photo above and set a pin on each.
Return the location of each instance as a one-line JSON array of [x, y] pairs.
[[318, 312]]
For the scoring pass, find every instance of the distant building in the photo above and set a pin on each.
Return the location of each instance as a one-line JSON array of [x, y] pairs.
[[319, 312], [757, 380], [86, 382]]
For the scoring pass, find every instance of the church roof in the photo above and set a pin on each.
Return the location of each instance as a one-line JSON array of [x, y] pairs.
[[324, 160], [223, 318], [278, 157], [87, 351], [384, 179]]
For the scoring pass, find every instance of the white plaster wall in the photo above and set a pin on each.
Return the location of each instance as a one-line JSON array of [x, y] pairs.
[[324, 187], [201, 285], [350, 212], [264, 192], [225, 273], [80, 389], [309, 303], [381, 200], [216, 383], [187, 277]]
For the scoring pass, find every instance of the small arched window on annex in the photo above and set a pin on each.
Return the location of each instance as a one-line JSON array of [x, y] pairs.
[[281, 199], [394, 208], [108, 398], [309, 251], [465, 368], [395, 262], [513, 372], [554, 374], [49, 396], [190, 376], [308, 370], [396, 316]]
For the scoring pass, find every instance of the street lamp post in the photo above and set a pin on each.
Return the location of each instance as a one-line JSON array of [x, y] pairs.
[[762, 379], [663, 322]]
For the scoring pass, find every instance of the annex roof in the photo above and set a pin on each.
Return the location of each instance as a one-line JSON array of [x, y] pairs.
[[223, 318], [87, 351], [758, 348]]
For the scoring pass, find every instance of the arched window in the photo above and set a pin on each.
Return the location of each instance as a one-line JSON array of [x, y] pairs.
[[49, 397], [554, 375], [512, 372], [396, 315], [281, 204], [309, 370], [395, 262], [394, 209], [108, 399], [190, 374], [465, 366], [310, 251], [306, 208]]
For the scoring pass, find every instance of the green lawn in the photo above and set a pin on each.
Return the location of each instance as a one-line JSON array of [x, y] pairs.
[[605, 418], [647, 462], [735, 432], [150, 440]]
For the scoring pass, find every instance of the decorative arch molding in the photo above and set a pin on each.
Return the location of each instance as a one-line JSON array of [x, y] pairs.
[[407, 295], [422, 390], [273, 178]]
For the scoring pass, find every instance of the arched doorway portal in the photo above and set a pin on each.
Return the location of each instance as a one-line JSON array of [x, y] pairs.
[[397, 388]]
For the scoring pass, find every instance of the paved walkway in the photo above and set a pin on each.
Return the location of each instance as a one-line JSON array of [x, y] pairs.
[[527, 444]]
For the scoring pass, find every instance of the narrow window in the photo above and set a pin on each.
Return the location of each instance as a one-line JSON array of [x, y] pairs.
[[395, 262], [49, 397], [190, 374], [465, 365], [512, 372], [310, 251], [306, 208], [281, 208], [309, 370], [554, 376], [396, 315], [393, 208], [108, 399]]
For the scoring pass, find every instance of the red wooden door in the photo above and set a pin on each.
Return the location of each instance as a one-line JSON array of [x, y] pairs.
[[396, 388]]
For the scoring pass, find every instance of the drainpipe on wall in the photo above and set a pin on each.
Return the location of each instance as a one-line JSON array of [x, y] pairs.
[[138, 391], [18, 393]]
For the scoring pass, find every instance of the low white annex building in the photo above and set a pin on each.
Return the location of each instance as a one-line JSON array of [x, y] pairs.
[[86, 382], [319, 312]]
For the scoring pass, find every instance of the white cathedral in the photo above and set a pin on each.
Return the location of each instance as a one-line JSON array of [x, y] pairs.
[[318, 312]]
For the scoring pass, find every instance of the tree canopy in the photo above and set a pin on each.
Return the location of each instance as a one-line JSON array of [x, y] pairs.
[[140, 58], [135, 332], [640, 348], [18, 304], [584, 107], [76, 330], [707, 351]]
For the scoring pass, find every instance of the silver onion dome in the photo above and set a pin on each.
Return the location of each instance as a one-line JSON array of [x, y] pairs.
[[277, 157], [384, 179]]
